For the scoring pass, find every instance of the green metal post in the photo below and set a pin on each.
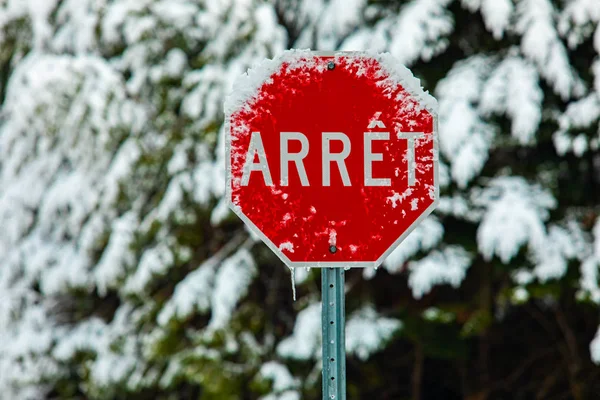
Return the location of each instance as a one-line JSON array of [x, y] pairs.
[[333, 327]]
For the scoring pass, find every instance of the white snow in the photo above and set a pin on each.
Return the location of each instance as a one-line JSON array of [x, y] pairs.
[[177, 13], [326, 22], [464, 137], [523, 277], [542, 45], [399, 74], [496, 14], [560, 245], [280, 376], [110, 142], [577, 19], [191, 294], [76, 26], [79, 150], [232, 280], [424, 237], [220, 212], [514, 215], [89, 335], [414, 204], [287, 245], [579, 115], [595, 348], [366, 332], [418, 31], [456, 205], [305, 341], [246, 86], [338, 19], [513, 89], [589, 278], [206, 89], [448, 266], [332, 236], [154, 261], [117, 255], [590, 268]]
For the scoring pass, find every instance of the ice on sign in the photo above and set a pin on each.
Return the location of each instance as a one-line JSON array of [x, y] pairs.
[[331, 158]]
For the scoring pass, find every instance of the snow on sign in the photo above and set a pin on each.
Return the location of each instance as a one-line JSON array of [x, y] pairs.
[[331, 158]]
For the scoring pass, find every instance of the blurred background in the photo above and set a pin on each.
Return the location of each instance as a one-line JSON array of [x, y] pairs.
[[124, 276]]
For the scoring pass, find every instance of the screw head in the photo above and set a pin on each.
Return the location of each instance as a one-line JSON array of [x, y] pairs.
[[332, 249], [330, 65]]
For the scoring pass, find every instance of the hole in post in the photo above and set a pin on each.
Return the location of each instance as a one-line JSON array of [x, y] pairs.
[[331, 322], [331, 285], [332, 359], [332, 378]]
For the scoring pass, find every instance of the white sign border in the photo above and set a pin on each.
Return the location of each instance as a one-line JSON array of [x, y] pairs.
[[335, 264]]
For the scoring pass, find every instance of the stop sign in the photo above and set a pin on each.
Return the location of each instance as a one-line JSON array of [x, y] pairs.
[[331, 158]]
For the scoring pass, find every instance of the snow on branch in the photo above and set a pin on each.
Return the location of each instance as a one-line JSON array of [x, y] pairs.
[[595, 348], [325, 23], [552, 255], [117, 255], [448, 266], [513, 89], [542, 45], [579, 116], [67, 140], [283, 383], [367, 332], [589, 286], [514, 212], [305, 341], [418, 31], [590, 268], [195, 291], [232, 281], [155, 261], [578, 21], [76, 22], [496, 14], [27, 335], [424, 237], [66, 122], [37, 12], [465, 138]]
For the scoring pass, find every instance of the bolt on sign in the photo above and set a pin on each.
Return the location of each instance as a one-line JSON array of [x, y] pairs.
[[331, 158]]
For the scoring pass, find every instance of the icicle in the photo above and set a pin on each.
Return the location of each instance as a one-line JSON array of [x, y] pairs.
[[293, 278]]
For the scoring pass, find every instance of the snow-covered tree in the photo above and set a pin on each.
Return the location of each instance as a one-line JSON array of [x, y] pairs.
[[124, 275]]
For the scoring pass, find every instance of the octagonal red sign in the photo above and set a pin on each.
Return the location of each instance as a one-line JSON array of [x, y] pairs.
[[331, 158]]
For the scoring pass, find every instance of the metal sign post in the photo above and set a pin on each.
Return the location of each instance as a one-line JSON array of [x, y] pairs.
[[333, 324], [307, 129]]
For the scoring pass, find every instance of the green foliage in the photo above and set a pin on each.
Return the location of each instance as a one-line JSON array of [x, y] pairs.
[[115, 231]]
